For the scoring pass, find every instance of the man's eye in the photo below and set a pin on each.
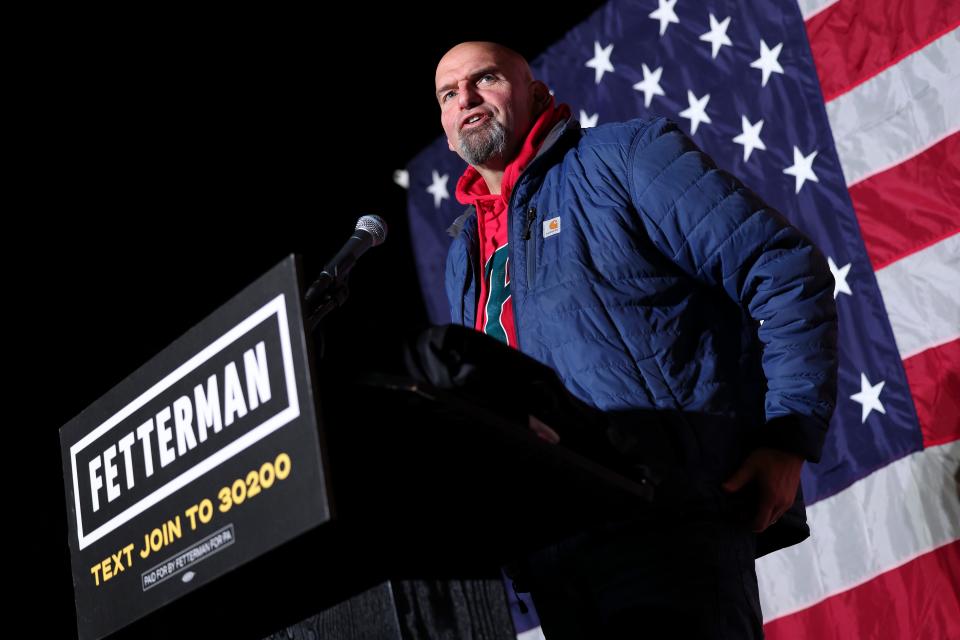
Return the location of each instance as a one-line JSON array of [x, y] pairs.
[[447, 95], [489, 75]]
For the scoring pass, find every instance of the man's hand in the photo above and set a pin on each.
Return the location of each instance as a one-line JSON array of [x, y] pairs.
[[777, 474]]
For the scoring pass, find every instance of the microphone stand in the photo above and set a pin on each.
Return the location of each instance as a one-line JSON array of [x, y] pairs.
[[332, 298], [323, 296]]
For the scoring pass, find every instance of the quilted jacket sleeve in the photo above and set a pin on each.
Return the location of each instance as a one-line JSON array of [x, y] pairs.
[[718, 231]]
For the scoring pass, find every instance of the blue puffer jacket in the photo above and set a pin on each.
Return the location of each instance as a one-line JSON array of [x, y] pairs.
[[669, 286]]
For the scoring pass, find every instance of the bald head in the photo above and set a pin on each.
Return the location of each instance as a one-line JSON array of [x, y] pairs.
[[488, 101], [507, 57]]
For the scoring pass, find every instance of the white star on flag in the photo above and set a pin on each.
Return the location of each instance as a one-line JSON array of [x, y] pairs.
[[665, 14], [402, 178], [650, 85], [868, 397], [439, 188], [802, 168], [696, 112], [767, 62], [587, 121], [750, 138], [839, 278], [717, 36], [600, 62]]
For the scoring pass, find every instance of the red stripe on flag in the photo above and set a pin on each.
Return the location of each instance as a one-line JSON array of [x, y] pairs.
[[934, 378], [854, 40], [917, 600], [912, 205]]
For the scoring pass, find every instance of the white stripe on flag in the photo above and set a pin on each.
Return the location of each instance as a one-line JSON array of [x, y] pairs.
[[810, 8], [920, 294], [899, 112], [531, 634], [881, 522]]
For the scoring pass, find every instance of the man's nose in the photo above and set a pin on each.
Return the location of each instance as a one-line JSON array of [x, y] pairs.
[[467, 95]]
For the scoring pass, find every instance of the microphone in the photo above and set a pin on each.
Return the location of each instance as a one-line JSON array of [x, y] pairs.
[[369, 232]]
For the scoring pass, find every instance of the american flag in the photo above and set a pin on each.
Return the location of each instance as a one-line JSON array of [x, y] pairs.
[[843, 115]]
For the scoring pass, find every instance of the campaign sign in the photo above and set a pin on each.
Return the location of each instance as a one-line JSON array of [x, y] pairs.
[[202, 459]]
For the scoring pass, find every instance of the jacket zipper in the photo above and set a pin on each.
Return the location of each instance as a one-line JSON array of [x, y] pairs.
[[531, 250]]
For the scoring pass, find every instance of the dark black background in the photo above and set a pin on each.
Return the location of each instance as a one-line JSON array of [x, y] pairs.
[[171, 156]]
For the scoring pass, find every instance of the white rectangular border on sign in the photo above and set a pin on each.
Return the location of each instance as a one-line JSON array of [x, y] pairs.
[[276, 307]]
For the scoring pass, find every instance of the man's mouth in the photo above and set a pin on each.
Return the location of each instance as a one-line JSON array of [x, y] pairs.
[[474, 120]]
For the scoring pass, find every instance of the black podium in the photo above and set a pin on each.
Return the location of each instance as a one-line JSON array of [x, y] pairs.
[[403, 504]]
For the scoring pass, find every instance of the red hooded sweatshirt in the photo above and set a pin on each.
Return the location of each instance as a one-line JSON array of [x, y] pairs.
[[495, 305]]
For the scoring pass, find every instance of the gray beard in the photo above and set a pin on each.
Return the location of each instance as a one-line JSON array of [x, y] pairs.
[[478, 145]]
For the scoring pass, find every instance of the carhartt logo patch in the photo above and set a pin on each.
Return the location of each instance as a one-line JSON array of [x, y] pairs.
[[551, 227]]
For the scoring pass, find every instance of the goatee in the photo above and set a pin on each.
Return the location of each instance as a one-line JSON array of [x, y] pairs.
[[479, 144]]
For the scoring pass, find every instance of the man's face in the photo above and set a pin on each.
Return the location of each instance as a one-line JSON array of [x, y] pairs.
[[486, 103]]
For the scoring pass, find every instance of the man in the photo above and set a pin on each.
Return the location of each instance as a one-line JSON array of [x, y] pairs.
[[622, 258]]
